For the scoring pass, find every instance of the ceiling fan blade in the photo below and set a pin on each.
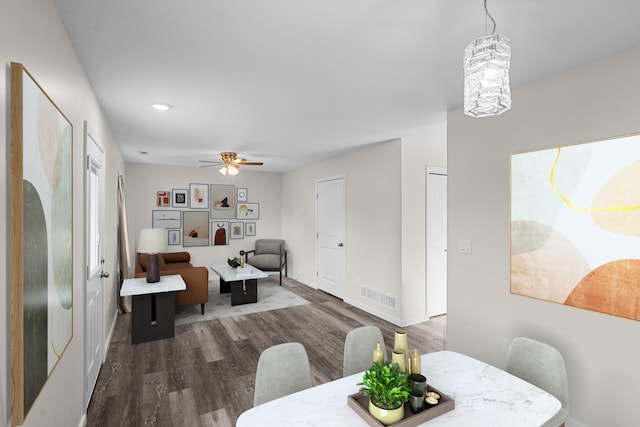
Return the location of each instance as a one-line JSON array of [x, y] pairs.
[[217, 162], [251, 163], [207, 166]]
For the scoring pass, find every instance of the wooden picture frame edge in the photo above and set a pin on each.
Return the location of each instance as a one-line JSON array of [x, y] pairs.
[[17, 247]]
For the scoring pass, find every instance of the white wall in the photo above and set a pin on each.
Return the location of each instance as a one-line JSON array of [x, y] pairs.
[[373, 229], [601, 351], [385, 229], [35, 37], [420, 148], [142, 182]]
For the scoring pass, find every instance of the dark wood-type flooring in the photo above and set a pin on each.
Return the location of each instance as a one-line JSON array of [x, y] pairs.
[[205, 375]]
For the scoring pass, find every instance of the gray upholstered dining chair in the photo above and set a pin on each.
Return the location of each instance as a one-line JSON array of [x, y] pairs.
[[543, 366], [358, 349], [269, 255], [282, 369]]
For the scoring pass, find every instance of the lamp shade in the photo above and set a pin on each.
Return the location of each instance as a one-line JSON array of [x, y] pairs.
[[152, 240], [486, 76]]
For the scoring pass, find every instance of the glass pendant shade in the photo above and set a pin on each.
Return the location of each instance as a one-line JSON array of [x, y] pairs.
[[486, 76], [229, 169]]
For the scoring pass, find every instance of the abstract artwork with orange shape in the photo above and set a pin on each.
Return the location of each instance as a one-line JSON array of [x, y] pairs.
[[575, 225]]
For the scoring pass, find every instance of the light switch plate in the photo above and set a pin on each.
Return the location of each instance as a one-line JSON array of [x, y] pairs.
[[464, 246]]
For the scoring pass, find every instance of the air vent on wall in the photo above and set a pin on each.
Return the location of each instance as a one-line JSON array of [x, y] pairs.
[[378, 297]]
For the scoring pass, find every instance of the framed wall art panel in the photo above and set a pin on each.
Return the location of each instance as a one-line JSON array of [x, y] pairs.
[[41, 214], [575, 225], [195, 231], [173, 237], [198, 196], [163, 199], [237, 230], [248, 211], [222, 201], [219, 233], [165, 219], [179, 198], [242, 194], [249, 228]]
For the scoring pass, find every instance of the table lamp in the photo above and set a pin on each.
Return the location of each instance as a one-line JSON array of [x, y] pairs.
[[152, 241]]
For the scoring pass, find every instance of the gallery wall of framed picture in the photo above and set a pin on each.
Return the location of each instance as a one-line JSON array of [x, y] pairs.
[[205, 214]]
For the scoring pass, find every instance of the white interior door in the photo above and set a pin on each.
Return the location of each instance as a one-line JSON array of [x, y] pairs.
[[330, 218], [436, 228], [95, 231]]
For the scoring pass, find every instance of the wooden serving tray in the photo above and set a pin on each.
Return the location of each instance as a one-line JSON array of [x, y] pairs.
[[360, 403]]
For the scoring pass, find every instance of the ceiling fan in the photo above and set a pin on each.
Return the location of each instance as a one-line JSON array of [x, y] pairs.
[[230, 163]]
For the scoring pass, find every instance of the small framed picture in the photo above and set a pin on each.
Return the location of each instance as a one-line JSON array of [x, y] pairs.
[[249, 228], [163, 199], [219, 233], [248, 211], [242, 194], [174, 237], [179, 198], [237, 230], [166, 219], [199, 196], [195, 229], [222, 203]]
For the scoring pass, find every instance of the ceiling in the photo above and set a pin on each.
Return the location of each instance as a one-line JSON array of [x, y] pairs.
[[289, 82]]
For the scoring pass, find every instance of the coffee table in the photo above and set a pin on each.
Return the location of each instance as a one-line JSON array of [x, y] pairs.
[[152, 307], [243, 287]]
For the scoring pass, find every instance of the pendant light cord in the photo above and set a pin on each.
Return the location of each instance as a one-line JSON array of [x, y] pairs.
[[490, 17]]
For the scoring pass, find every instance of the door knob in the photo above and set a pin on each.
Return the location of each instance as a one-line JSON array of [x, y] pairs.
[[340, 245], [104, 275]]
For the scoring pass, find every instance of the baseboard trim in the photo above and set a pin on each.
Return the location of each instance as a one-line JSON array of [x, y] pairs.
[[375, 312], [304, 282], [107, 341], [571, 422], [368, 309]]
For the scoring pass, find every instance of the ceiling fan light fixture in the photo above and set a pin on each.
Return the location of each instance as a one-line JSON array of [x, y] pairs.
[[232, 170], [223, 170], [486, 74]]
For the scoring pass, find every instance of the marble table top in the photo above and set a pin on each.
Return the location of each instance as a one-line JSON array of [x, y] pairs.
[[230, 274], [140, 286], [484, 396]]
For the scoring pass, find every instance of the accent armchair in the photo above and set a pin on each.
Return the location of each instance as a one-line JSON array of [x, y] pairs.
[[269, 255]]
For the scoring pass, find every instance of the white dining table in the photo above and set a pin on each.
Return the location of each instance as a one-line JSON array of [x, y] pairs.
[[484, 396]]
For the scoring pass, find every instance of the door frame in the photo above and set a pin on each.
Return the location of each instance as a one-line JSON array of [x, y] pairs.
[[90, 138], [430, 170], [343, 278]]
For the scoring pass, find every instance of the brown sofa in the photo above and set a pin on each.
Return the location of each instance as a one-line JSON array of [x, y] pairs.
[[196, 278]]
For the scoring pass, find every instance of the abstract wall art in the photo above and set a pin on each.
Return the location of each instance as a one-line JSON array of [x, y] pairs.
[[40, 239], [575, 225], [222, 201], [195, 230]]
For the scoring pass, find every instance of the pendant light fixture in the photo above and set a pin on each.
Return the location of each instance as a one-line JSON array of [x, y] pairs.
[[486, 74], [230, 169]]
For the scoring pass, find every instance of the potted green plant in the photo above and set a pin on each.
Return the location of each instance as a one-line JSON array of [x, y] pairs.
[[387, 388]]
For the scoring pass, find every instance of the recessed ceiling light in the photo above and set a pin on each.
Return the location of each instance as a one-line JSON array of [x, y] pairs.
[[162, 106]]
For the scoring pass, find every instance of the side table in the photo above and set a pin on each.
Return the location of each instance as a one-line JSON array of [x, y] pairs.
[[153, 307], [243, 287]]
